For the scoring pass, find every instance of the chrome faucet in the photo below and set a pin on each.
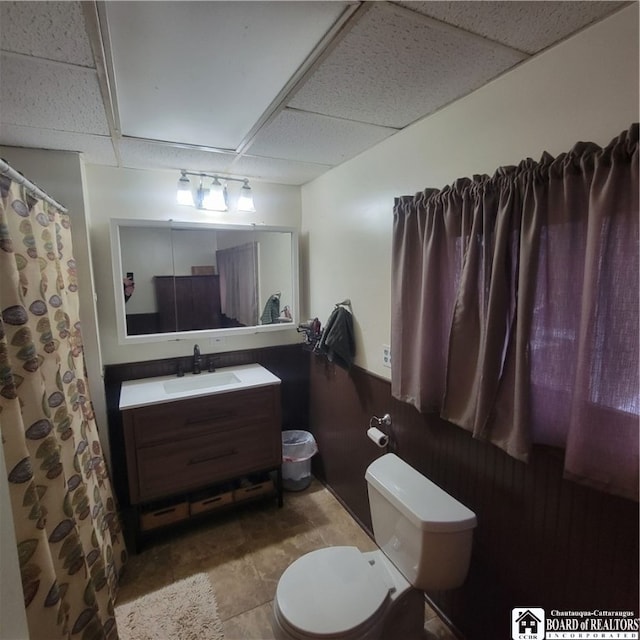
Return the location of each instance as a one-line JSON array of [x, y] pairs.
[[196, 359]]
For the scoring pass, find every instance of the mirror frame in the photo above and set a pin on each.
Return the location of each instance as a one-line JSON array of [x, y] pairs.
[[116, 260]]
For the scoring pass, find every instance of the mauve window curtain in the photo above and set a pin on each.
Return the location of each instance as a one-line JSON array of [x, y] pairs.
[[515, 308]]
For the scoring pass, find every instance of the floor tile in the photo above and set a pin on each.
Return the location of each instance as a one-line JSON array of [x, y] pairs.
[[148, 571], [238, 586], [271, 561], [245, 551], [435, 629], [251, 625]]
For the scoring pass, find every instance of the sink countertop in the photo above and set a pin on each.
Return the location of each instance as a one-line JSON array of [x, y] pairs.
[[149, 391]]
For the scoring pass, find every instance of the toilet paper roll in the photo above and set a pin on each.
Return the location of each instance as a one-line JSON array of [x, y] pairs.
[[381, 439]]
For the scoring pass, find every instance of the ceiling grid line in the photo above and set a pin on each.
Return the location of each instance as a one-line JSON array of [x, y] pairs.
[[92, 21], [339, 29], [286, 90]]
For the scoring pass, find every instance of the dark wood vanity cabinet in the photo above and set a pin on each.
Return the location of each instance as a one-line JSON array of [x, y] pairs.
[[188, 303], [178, 449]]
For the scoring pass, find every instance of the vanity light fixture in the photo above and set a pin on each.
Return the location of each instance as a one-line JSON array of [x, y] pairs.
[[215, 197], [245, 199], [184, 195], [212, 199]]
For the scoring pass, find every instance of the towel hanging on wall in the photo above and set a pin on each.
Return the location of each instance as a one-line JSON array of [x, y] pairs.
[[338, 340]]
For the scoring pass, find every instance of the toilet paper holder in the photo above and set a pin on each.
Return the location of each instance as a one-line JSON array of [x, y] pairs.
[[374, 434], [378, 422]]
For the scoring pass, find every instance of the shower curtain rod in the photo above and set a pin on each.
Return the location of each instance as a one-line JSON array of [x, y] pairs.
[[7, 170]]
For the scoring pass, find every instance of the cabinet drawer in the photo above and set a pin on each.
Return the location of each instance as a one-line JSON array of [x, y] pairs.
[[176, 421], [188, 464]]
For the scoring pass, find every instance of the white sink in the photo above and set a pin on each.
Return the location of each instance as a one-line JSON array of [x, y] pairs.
[[148, 391], [201, 381]]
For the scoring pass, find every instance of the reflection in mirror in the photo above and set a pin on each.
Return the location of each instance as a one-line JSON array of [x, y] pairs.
[[179, 277]]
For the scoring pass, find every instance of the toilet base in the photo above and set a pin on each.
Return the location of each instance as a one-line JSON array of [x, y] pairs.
[[280, 634], [406, 617]]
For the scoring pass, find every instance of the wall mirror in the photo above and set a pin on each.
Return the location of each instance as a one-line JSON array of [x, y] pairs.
[[176, 280]]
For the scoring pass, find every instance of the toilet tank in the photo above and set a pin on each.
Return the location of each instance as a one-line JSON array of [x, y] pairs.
[[423, 530]]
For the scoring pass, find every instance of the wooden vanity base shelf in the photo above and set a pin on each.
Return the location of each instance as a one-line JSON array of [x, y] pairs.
[[163, 516], [211, 503]]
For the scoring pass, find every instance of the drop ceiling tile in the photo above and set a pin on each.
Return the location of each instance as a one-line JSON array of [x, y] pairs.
[[527, 26], [96, 149], [50, 95], [51, 30], [276, 170], [205, 72], [140, 154], [396, 66], [309, 137]]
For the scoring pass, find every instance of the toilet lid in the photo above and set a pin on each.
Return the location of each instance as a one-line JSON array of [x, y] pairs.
[[330, 592]]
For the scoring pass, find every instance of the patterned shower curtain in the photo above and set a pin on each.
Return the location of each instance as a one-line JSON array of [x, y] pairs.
[[70, 545]]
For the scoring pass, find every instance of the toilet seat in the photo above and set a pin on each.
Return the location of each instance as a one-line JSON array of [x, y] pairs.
[[337, 592]]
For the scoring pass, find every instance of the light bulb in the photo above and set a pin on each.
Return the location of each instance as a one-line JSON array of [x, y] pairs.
[[245, 199], [215, 198], [184, 195]]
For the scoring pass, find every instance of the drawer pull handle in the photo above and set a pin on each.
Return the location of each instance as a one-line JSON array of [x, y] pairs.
[[209, 420], [164, 512], [214, 456], [211, 500], [256, 487]]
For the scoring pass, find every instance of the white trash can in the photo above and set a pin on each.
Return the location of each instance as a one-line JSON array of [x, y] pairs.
[[298, 447]]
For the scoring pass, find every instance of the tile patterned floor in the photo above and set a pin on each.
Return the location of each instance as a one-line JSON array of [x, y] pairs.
[[245, 551]]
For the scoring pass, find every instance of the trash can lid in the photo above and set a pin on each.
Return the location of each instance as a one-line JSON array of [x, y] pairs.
[[298, 445], [297, 436]]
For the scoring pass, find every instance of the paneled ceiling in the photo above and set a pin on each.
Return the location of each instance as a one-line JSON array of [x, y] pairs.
[[275, 91]]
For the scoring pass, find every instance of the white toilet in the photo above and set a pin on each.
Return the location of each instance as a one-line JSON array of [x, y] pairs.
[[424, 538]]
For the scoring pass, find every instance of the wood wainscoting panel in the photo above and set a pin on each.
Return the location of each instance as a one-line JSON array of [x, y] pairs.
[[541, 540]]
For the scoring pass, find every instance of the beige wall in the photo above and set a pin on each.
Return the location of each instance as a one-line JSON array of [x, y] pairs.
[[128, 193], [583, 89]]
